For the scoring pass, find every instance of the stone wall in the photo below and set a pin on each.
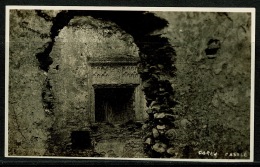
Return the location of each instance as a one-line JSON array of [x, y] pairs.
[[212, 82], [27, 121], [213, 88], [82, 40]]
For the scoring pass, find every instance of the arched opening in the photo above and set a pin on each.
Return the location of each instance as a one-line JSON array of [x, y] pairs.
[[141, 78]]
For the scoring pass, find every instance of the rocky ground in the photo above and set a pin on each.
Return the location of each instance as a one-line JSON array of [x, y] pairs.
[[112, 140], [126, 141], [123, 140]]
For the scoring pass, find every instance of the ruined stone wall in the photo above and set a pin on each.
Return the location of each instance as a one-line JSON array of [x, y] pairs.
[[212, 83], [47, 102], [27, 121], [82, 40], [212, 80]]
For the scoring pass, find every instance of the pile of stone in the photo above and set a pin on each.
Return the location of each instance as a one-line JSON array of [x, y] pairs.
[[156, 68]]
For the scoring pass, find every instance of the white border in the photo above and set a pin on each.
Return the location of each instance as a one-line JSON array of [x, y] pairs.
[[173, 9], [252, 94], [115, 8]]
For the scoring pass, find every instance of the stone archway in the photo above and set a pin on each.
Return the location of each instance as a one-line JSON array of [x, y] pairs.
[[94, 77], [156, 57]]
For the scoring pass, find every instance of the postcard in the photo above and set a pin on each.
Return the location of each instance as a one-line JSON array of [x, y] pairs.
[[130, 83]]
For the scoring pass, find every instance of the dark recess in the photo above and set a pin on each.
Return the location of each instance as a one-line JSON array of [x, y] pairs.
[[213, 47], [80, 140]]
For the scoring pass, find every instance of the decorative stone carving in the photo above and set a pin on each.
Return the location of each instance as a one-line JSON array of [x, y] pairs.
[[120, 74]]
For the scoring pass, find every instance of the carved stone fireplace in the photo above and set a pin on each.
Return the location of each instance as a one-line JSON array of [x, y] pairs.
[[115, 92]]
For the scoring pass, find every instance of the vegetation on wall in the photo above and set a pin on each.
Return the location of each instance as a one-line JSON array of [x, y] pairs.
[[157, 65]]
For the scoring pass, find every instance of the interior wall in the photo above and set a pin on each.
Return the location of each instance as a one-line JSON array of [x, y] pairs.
[[83, 40]]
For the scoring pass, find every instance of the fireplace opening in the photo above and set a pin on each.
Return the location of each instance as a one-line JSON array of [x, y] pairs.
[[114, 105], [80, 140]]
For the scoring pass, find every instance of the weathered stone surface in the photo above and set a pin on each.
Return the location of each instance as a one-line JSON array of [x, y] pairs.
[[185, 123], [159, 115], [171, 151], [156, 107], [159, 147], [170, 134], [166, 116], [28, 123], [144, 127], [148, 141], [160, 127], [155, 133], [149, 111], [212, 90]]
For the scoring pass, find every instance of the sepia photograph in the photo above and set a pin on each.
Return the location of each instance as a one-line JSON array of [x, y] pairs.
[[130, 83]]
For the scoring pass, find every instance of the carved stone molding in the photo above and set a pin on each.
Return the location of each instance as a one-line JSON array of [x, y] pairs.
[[121, 74]]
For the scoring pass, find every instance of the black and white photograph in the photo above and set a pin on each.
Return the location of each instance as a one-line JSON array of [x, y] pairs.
[[130, 83]]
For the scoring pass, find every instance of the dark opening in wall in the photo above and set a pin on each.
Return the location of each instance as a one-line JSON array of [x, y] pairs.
[[114, 105], [211, 51], [80, 140], [213, 47]]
